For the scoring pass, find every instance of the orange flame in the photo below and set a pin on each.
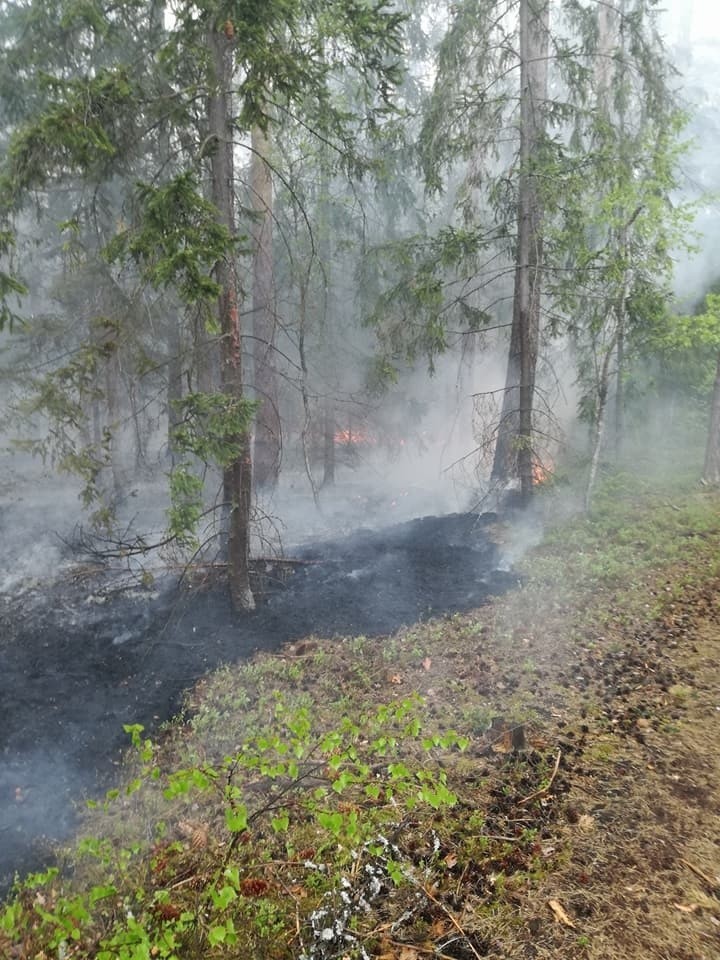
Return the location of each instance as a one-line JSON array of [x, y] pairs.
[[351, 437], [542, 472]]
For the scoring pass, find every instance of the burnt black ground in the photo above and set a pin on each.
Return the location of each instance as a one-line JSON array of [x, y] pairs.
[[79, 659]]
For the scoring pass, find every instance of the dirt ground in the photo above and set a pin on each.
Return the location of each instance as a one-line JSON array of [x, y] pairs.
[[630, 825], [635, 719], [644, 801]]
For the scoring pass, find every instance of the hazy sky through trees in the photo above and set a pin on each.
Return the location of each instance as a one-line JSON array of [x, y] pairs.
[[693, 20]]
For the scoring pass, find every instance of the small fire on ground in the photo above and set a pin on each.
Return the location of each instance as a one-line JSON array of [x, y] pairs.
[[355, 437], [542, 472]]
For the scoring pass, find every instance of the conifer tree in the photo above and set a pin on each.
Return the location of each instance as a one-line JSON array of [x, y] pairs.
[[209, 80], [515, 429], [529, 141]]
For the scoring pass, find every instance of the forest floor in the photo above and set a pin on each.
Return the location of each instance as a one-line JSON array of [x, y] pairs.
[[536, 778]]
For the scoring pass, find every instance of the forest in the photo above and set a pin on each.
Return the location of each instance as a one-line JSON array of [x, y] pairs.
[[250, 248], [359, 480]]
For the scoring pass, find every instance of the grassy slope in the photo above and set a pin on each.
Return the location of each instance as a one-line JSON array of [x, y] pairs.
[[315, 804]]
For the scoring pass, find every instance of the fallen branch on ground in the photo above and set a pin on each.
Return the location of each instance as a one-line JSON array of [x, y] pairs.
[[546, 789]]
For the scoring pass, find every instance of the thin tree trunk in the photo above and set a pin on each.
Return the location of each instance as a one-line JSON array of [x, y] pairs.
[[603, 386], [173, 325], [267, 422], [620, 389], [615, 344], [328, 350], [619, 29], [141, 430], [237, 475], [307, 422], [174, 384], [112, 409], [513, 451], [613, 35], [711, 470], [329, 430]]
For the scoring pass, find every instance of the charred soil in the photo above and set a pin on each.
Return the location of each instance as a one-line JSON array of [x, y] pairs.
[[85, 655]]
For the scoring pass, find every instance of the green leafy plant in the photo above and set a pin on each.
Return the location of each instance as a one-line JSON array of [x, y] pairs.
[[342, 787]]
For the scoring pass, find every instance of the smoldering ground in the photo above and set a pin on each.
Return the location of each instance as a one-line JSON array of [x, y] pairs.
[[81, 659]]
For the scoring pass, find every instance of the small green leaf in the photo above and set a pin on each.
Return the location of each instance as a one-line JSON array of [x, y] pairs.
[[281, 822], [236, 818], [223, 897]]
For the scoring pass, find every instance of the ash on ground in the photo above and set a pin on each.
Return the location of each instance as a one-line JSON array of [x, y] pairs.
[[82, 657]]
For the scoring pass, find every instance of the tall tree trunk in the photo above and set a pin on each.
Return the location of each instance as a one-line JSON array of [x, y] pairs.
[[711, 470], [172, 326], [328, 349], [609, 22], [268, 437], [513, 451], [623, 246], [237, 475]]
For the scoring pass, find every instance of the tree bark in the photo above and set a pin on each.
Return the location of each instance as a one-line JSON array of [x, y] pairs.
[[505, 458], [513, 450], [711, 470], [174, 383], [611, 26], [268, 436], [603, 386], [609, 23], [172, 326], [113, 414], [237, 475], [329, 430], [328, 350], [620, 388], [615, 346]]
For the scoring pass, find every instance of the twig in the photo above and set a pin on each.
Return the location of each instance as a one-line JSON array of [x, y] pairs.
[[290, 561], [713, 884], [298, 927], [461, 881], [546, 789], [185, 880], [431, 951], [452, 920]]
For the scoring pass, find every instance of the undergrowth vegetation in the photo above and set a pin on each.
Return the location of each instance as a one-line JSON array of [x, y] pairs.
[[394, 798]]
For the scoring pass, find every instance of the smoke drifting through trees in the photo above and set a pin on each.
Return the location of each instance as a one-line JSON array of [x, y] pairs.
[[158, 165]]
